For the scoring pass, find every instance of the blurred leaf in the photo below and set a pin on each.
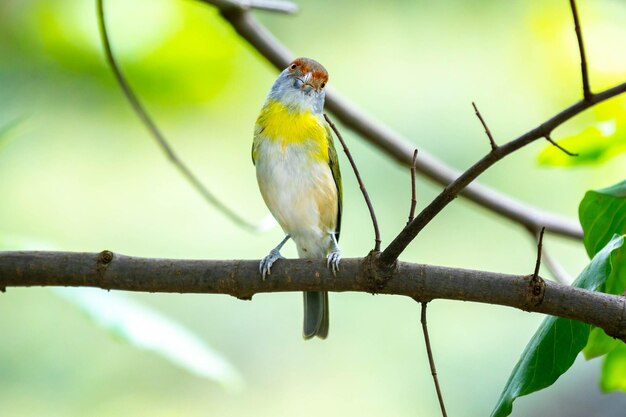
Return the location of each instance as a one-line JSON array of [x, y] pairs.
[[6, 132], [554, 347], [594, 145], [614, 369], [187, 55], [147, 329]]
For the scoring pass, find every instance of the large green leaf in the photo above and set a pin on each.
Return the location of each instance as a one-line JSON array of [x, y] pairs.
[[557, 342], [602, 214], [594, 145]]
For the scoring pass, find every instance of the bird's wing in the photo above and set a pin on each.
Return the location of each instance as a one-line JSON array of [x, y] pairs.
[[258, 129], [333, 161]]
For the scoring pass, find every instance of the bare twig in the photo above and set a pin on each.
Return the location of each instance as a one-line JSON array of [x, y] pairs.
[[241, 279], [431, 360], [587, 94], [366, 196], [156, 133], [487, 131], [565, 151], [395, 145], [552, 265], [413, 192], [539, 251], [395, 248]]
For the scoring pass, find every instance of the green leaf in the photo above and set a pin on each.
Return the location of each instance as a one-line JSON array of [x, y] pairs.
[[594, 145], [614, 369], [602, 214], [143, 327], [554, 347], [599, 344]]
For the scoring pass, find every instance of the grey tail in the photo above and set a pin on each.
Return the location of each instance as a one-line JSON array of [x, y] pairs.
[[315, 315]]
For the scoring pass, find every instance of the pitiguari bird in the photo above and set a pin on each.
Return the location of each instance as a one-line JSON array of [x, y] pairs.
[[298, 175]]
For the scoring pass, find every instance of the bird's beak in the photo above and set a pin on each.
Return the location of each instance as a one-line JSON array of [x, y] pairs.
[[307, 82]]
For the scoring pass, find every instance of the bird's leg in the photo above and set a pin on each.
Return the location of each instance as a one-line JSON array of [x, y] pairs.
[[268, 261], [334, 256]]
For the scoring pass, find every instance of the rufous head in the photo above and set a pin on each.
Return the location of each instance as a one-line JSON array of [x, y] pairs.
[[301, 85], [309, 74]]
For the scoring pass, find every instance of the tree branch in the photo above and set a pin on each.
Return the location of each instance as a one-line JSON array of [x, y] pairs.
[[241, 279], [487, 131], [280, 6], [581, 48], [395, 248], [431, 360], [366, 195], [397, 146], [156, 133]]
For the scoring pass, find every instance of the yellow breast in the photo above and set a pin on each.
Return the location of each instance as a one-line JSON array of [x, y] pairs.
[[281, 124]]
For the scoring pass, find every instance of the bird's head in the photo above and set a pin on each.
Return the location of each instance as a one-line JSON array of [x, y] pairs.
[[301, 85]]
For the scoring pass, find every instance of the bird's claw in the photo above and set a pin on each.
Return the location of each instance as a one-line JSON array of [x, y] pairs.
[[332, 261], [267, 262]]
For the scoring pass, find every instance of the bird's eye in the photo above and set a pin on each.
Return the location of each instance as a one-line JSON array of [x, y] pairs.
[[323, 85], [293, 66]]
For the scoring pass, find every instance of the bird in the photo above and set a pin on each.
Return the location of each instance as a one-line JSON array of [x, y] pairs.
[[298, 175]]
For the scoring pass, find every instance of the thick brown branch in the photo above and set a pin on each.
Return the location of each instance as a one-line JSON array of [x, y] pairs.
[[395, 145], [395, 248], [241, 279]]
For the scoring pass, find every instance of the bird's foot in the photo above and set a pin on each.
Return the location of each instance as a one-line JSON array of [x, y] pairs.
[[267, 262], [332, 261]]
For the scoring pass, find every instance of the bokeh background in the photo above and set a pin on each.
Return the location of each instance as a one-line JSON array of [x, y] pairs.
[[79, 172]]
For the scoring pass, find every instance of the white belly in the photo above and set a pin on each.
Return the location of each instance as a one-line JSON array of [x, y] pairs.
[[301, 194]]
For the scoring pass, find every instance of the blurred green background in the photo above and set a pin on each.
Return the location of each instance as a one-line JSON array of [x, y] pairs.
[[79, 172]]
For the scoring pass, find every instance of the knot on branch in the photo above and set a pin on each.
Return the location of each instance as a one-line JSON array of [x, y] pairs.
[[102, 262], [376, 274], [535, 290]]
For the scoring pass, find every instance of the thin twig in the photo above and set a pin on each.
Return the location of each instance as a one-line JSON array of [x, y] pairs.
[[487, 131], [587, 94], [366, 196], [549, 139], [397, 146], [410, 231], [431, 360], [413, 191], [539, 252], [556, 270], [156, 133]]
